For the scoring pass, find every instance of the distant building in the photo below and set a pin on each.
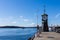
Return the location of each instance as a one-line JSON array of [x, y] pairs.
[[57, 29]]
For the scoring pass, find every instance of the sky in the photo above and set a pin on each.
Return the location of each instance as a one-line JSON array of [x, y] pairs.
[[23, 12]]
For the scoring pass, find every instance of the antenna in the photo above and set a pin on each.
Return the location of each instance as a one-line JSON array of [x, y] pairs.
[[44, 7]]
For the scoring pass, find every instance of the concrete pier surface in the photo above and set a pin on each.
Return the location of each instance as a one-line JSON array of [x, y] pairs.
[[48, 36]]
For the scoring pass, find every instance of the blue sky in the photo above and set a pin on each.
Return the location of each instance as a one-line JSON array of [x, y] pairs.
[[23, 12]]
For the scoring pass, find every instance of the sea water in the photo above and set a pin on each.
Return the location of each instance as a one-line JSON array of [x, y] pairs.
[[16, 33]]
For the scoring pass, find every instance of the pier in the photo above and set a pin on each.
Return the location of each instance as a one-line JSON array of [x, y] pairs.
[[48, 36]]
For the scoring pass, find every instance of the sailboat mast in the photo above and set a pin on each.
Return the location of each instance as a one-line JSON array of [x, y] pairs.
[[37, 18]]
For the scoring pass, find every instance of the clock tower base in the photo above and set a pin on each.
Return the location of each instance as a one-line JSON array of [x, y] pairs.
[[45, 27]]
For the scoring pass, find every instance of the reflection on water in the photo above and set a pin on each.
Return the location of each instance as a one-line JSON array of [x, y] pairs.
[[16, 33]]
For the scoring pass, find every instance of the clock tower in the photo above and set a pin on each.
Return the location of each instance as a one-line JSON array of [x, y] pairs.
[[45, 22]]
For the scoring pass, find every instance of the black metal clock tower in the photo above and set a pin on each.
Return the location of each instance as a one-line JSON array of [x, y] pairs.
[[45, 21]]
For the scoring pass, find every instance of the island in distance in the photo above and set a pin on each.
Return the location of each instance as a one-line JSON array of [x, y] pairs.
[[15, 27]]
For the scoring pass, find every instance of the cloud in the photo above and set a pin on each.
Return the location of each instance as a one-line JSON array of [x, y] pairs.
[[57, 15], [11, 17], [21, 16], [21, 20], [32, 24], [26, 20], [14, 22], [6, 18]]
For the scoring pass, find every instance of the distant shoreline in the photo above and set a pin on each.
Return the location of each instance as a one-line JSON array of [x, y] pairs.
[[15, 27]]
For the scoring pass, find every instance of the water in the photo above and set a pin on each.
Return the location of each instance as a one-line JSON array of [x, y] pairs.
[[16, 33]]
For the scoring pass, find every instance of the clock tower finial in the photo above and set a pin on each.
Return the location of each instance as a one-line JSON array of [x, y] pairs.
[[44, 8]]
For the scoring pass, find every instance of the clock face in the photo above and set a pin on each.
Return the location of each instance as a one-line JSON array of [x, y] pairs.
[[44, 17]]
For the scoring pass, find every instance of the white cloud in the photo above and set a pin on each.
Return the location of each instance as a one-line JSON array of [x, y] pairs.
[[10, 17], [2, 25], [32, 24], [26, 20], [29, 25], [14, 22], [7, 18], [21, 16], [57, 15]]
